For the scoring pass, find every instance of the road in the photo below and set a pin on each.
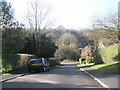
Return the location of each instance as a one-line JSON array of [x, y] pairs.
[[67, 76]]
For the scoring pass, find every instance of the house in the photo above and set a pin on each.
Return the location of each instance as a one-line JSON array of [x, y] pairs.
[[87, 51], [101, 46]]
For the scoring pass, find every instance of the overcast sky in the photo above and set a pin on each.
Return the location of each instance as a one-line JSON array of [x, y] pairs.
[[71, 13]]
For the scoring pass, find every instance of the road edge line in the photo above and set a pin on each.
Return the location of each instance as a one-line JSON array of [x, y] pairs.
[[98, 80]]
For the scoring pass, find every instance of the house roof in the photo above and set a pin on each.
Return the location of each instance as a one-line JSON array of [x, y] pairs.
[[101, 45]]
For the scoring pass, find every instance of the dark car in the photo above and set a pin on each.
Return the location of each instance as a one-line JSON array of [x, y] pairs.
[[38, 64]]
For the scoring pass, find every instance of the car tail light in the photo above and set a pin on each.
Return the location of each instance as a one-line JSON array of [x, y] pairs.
[[42, 63]]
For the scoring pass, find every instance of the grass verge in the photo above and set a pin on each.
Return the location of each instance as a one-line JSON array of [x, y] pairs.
[[81, 65], [105, 67], [6, 74]]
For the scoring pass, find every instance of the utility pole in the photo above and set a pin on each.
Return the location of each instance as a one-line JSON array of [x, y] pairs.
[[95, 42]]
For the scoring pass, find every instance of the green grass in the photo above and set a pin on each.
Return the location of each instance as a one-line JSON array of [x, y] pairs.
[[6, 74], [81, 65], [106, 55], [107, 67]]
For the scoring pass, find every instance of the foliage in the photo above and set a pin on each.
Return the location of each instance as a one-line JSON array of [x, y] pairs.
[[89, 59], [117, 57], [106, 28], [67, 52], [53, 62], [81, 60], [84, 38], [106, 55], [6, 15], [67, 47], [14, 37], [68, 61], [86, 52], [44, 48], [81, 36], [12, 31], [47, 48], [86, 60], [12, 62], [67, 39]]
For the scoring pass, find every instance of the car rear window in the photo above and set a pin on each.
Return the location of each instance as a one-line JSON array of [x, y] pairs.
[[35, 61]]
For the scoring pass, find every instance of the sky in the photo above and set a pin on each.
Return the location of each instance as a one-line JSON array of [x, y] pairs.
[[74, 14]]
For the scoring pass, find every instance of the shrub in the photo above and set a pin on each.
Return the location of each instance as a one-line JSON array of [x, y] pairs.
[[12, 62], [67, 52], [117, 57], [89, 59], [81, 60], [53, 62], [106, 55]]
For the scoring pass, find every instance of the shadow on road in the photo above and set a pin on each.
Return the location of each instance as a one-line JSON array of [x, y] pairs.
[[66, 70], [42, 85]]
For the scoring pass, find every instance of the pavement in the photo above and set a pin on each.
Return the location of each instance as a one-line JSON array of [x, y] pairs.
[[12, 76], [107, 79]]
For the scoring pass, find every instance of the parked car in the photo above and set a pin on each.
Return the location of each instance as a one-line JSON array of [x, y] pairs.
[[38, 64]]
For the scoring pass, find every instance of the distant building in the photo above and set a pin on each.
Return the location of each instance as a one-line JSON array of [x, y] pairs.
[[101, 46], [87, 51]]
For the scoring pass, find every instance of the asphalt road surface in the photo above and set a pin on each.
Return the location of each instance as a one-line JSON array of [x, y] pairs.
[[67, 76]]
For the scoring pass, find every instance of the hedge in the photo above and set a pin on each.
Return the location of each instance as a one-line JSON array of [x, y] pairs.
[[106, 55], [53, 62], [12, 62]]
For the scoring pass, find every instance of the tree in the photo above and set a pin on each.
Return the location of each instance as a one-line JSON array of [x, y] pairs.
[[6, 16], [12, 40], [46, 48], [67, 52], [106, 27], [67, 47], [37, 18], [84, 38], [38, 15], [67, 39], [12, 32]]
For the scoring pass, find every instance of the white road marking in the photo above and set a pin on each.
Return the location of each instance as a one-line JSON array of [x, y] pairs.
[[101, 82]]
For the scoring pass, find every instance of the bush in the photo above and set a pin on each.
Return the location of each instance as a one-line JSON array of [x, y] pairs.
[[81, 60], [67, 52], [106, 55], [69, 61], [12, 37], [90, 59], [117, 57], [53, 62], [12, 62]]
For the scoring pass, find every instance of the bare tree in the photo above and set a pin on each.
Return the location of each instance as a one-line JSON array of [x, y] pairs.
[[37, 16], [107, 26], [106, 22]]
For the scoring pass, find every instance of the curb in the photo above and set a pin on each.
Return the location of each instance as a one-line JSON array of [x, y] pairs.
[[20, 75], [98, 80]]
